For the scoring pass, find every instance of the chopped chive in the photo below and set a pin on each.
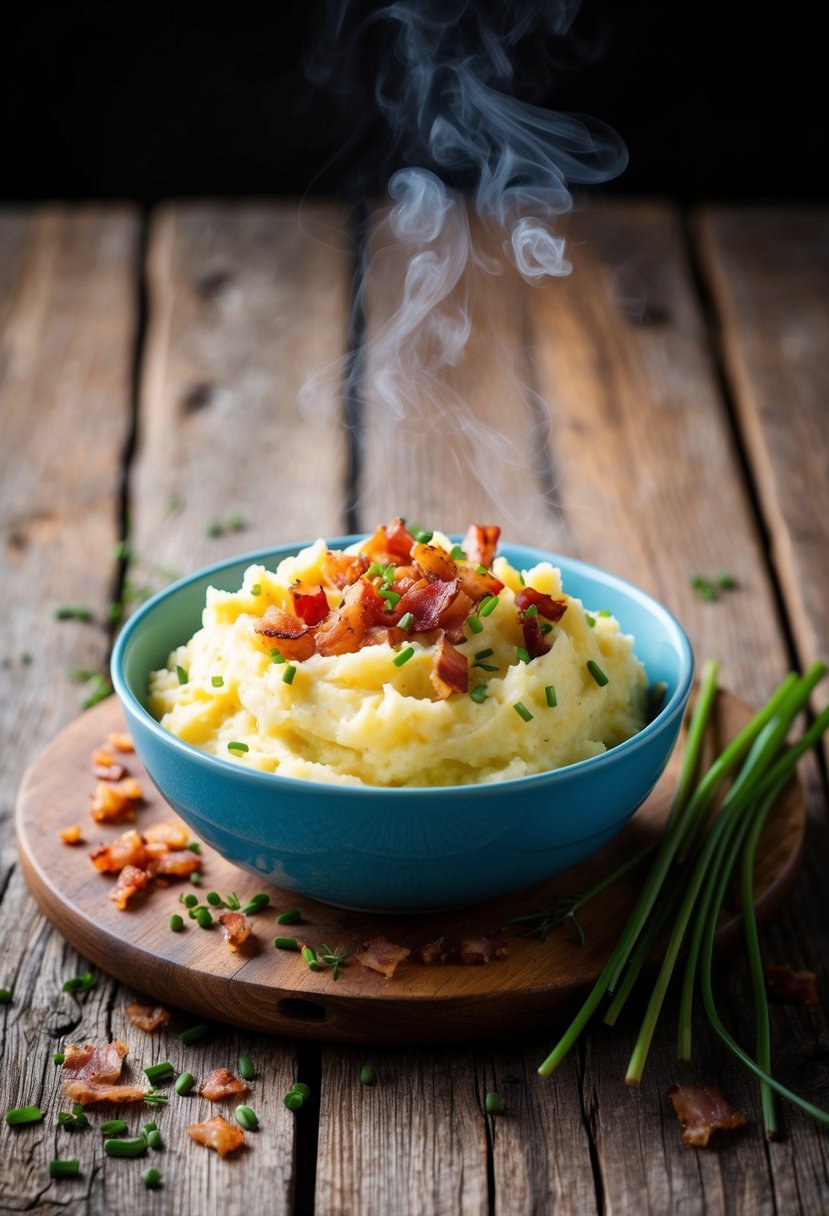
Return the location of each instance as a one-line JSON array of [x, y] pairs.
[[80, 983], [403, 657], [522, 711], [492, 1104], [286, 943], [457, 553], [367, 1075], [181, 673], [406, 621], [154, 1139], [246, 1069], [423, 536], [136, 1147], [484, 654], [604, 612], [479, 694], [58, 1057], [522, 655], [276, 657], [481, 570], [115, 611], [704, 588], [66, 1120], [288, 674], [113, 1127], [236, 522], [192, 913], [550, 694], [214, 528], [73, 612], [184, 1083], [235, 746], [591, 620], [160, 1072], [474, 623], [64, 1169], [194, 1033], [151, 1178], [233, 902], [291, 916], [149, 1127], [375, 570], [23, 1114], [5, 996], [299, 1087], [726, 580], [545, 627], [217, 681], [256, 589], [214, 898], [80, 1114], [194, 846], [293, 1100], [485, 666], [531, 610], [310, 956], [190, 900], [195, 878], [597, 673], [246, 1118], [203, 918], [256, 903], [156, 1097], [392, 598], [176, 923], [488, 606]]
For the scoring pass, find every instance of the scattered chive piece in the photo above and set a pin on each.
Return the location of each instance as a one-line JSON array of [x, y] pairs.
[[293, 1100], [217, 681], [160, 1072], [374, 569], [235, 746], [484, 654], [457, 553], [492, 1104], [246, 1069], [155, 1097], [58, 1057], [704, 588], [310, 956], [195, 847], [522, 655], [136, 1147], [256, 589], [190, 900], [299, 1087], [113, 1127], [181, 673], [203, 918], [591, 620], [115, 610], [550, 694], [392, 598], [276, 657], [65, 1120], [151, 1178], [286, 943], [481, 570], [545, 627], [184, 1083], [246, 1118], [597, 673], [531, 610], [367, 1075], [256, 903], [291, 916], [73, 612], [233, 902], [5, 996], [479, 693], [403, 657], [154, 1139], [236, 522], [522, 711], [214, 898], [194, 1033], [80, 983], [474, 623], [488, 606], [423, 536], [195, 878], [726, 580], [604, 612], [287, 676], [406, 621], [23, 1114], [214, 528], [150, 1127], [485, 666], [176, 923], [192, 913], [64, 1169]]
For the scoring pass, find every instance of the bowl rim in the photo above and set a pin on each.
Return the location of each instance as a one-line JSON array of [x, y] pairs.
[[675, 705]]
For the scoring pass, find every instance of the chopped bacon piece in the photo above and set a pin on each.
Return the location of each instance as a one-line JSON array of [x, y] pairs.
[[379, 954], [481, 543], [550, 609], [120, 741], [310, 606], [450, 669], [131, 880], [476, 950], [222, 1084], [110, 804], [786, 984], [342, 569], [102, 757], [218, 1134], [392, 543], [345, 629], [235, 928], [87, 1092], [376, 635], [109, 772], [71, 835], [477, 585], [435, 952], [290, 634], [147, 1017], [178, 862], [454, 619], [171, 832], [91, 1063], [702, 1109], [130, 788], [127, 850], [535, 642], [435, 563], [427, 602]]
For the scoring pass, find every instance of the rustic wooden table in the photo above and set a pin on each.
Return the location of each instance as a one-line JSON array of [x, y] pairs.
[[149, 373]]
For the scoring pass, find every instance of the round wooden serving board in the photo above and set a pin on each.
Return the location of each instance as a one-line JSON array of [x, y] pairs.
[[273, 990]]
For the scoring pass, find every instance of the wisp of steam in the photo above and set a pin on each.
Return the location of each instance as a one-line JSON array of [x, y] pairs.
[[480, 181]]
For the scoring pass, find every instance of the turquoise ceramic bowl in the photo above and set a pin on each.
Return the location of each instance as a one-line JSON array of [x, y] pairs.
[[404, 849]]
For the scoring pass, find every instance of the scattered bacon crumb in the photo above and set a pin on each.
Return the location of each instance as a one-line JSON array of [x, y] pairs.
[[218, 1134], [222, 1084], [127, 850], [86, 1092], [102, 757], [450, 669], [786, 984], [71, 835], [379, 954], [550, 609], [131, 880], [94, 1072], [147, 1017], [109, 772], [235, 928], [180, 863], [476, 950], [435, 952], [131, 789], [702, 1109], [110, 804], [120, 741], [171, 832]]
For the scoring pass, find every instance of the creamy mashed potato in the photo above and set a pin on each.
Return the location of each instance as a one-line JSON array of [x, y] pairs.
[[361, 719]]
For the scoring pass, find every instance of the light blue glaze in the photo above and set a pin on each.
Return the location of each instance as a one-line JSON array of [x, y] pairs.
[[404, 849]]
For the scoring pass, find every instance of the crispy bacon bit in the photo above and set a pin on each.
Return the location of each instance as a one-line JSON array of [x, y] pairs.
[[222, 1084], [310, 606], [477, 585], [71, 835], [147, 1017], [477, 950], [87, 1092], [786, 984], [427, 602], [178, 862], [342, 569], [109, 804], [171, 832], [131, 789], [128, 849], [218, 1134], [109, 772], [702, 1109], [481, 543], [535, 642], [435, 563], [91, 1063], [290, 634], [120, 741], [455, 617], [435, 952], [102, 757], [450, 669], [131, 880], [345, 629], [379, 954], [235, 928], [392, 543], [550, 609]]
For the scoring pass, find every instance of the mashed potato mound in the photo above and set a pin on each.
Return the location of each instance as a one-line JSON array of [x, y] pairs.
[[369, 716]]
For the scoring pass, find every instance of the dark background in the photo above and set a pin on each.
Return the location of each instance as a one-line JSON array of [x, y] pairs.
[[126, 98]]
